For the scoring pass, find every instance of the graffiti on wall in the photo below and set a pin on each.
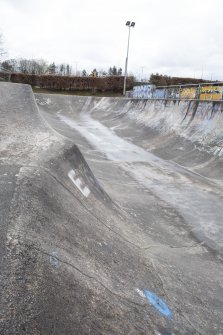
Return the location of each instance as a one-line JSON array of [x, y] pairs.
[[211, 93], [188, 93], [206, 92], [159, 93], [143, 91], [172, 93]]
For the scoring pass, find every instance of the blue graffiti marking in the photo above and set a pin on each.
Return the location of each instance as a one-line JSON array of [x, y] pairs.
[[54, 259], [158, 303]]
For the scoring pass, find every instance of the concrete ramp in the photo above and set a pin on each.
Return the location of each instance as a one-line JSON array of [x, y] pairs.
[[164, 145], [104, 229]]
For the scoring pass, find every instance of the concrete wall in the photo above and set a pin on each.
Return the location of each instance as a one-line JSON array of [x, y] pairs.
[[205, 92], [143, 91], [200, 122]]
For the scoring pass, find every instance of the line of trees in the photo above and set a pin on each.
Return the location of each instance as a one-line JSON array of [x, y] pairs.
[[72, 83], [164, 80], [36, 66], [112, 71], [40, 67]]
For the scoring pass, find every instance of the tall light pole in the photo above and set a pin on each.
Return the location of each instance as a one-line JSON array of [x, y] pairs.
[[130, 25]]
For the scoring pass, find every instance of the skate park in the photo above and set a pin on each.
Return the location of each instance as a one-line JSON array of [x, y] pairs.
[[111, 214]]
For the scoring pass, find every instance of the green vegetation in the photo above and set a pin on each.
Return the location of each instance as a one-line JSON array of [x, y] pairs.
[[81, 92], [163, 80]]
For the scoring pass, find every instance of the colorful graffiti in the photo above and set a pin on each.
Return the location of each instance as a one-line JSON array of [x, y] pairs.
[[206, 92], [188, 93], [159, 93], [211, 93], [143, 91], [172, 93]]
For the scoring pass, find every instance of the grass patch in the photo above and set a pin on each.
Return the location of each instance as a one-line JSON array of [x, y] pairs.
[[82, 93]]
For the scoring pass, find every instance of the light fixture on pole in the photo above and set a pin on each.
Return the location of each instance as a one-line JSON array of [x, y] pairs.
[[129, 24]]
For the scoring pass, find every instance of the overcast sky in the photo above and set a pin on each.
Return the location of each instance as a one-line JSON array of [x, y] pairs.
[[173, 37]]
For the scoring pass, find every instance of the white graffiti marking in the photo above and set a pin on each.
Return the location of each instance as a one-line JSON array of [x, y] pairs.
[[78, 183], [140, 292]]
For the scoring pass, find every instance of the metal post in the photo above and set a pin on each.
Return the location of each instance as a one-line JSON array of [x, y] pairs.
[[199, 92], [129, 24]]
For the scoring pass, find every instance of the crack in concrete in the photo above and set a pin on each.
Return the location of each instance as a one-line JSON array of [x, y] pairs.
[[90, 277]]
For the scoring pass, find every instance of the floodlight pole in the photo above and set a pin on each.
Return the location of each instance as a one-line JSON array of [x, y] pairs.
[[130, 25]]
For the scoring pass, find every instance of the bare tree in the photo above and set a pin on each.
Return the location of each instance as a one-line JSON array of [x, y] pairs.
[[23, 65], [10, 65], [7, 66], [41, 66], [2, 51], [32, 66], [52, 68]]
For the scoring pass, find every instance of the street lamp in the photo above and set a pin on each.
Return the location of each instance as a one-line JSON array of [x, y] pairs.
[[129, 24]]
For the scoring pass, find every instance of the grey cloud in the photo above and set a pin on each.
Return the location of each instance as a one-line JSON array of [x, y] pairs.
[[173, 36]]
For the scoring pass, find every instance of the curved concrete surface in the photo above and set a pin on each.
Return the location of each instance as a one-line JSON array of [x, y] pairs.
[[124, 239]]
